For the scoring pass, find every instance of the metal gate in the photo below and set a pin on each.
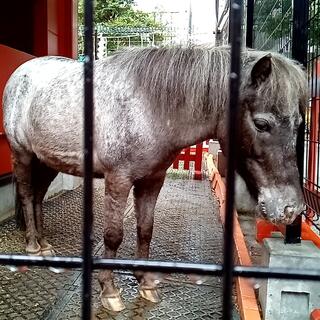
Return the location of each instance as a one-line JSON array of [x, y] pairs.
[[227, 270], [274, 30]]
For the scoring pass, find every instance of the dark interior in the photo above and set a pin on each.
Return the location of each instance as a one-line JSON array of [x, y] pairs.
[[16, 24]]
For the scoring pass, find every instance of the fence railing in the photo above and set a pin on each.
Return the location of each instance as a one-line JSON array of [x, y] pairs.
[[107, 40], [312, 136], [193, 155], [273, 25]]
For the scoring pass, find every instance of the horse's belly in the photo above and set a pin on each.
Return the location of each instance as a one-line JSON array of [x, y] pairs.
[[66, 162], [70, 162]]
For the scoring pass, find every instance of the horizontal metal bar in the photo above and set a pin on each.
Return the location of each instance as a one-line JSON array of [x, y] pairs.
[[76, 262], [161, 266], [279, 273], [6, 179], [40, 261]]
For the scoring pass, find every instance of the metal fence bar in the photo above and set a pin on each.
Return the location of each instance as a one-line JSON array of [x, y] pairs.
[[235, 34], [249, 29], [299, 53], [300, 31], [227, 270], [161, 266], [312, 133], [88, 162]]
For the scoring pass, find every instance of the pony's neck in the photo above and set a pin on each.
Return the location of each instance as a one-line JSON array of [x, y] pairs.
[[193, 131]]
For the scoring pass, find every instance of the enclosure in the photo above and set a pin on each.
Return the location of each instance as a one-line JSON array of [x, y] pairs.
[[197, 231]]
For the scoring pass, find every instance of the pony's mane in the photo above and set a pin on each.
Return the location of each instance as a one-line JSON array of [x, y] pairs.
[[198, 76]]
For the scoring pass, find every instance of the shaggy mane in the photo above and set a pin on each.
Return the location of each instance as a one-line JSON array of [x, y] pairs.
[[197, 77]]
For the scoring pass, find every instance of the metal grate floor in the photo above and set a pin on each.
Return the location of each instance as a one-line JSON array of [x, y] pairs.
[[186, 229]]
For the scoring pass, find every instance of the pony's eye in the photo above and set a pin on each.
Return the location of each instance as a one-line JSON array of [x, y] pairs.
[[262, 125]]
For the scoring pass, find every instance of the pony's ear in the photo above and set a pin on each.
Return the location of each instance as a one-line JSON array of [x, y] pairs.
[[261, 70]]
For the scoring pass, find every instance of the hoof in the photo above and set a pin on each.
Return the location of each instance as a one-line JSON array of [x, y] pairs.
[[113, 302], [46, 248], [33, 250], [47, 252], [45, 245], [150, 294]]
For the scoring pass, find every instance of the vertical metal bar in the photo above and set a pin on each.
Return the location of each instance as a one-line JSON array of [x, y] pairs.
[[96, 43], [282, 35], [316, 95], [217, 11], [190, 24], [313, 121], [235, 34], [300, 31], [299, 53], [250, 13], [88, 167], [229, 27]]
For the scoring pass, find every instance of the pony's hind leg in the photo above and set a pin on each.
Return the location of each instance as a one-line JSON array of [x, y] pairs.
[[22, 164], [42, 176], [146, 193], [117, 187]]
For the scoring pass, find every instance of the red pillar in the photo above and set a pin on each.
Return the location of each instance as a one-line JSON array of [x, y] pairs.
[[55, 28]]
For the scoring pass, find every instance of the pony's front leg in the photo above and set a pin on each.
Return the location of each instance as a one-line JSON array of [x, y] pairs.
[[117, 189], [146, 193]]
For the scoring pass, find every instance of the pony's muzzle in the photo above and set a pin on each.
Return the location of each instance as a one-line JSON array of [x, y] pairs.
[[280, 206], [284, 216], [288, 216]]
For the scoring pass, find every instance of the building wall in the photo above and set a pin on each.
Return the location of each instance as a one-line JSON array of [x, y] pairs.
[[176, 14]]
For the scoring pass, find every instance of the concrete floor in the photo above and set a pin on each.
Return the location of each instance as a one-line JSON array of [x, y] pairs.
[[186, 229]]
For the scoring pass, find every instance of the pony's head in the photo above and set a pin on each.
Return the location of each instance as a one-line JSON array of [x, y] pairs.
[[273, 96]]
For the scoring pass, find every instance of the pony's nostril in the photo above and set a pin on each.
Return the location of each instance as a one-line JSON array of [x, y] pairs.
[[262, 204], [288, 211], [263, 209]]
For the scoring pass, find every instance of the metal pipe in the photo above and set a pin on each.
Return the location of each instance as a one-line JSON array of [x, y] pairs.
[[299, 53], [88, 162], [249, 31], [161, 266], [235, 39]]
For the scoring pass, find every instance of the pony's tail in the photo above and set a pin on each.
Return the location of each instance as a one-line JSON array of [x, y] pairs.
[[19, 216]]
